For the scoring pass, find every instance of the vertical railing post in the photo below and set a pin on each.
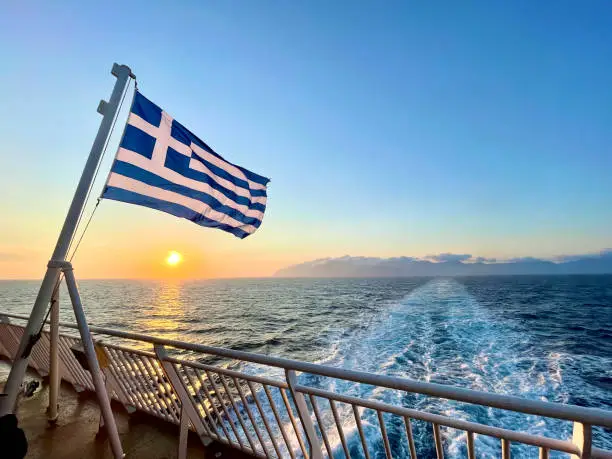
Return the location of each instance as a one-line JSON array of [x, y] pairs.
[[4, 350], [505, 449], [582, 437], [183, 433], [438, 440], [304, 414], [187, 406], [54, 376]]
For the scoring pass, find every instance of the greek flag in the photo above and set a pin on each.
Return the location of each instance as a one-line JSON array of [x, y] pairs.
[[162, 165]]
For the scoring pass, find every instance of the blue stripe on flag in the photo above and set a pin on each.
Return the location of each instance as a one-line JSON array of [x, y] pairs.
[[138, 141], [253, 177], [146, 109], [184, 135], [180, 163], [136, 173], [181, 133], [119, 194], [227, 176]]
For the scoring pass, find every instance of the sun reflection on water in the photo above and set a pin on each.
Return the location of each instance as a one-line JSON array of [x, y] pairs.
[[164, 315]]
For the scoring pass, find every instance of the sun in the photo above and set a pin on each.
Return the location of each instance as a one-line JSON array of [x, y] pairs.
[[174, 258]]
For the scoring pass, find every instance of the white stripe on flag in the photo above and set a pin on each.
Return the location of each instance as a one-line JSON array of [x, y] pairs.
[[129, 184], [138, 160], [227, 167], [199, 166]]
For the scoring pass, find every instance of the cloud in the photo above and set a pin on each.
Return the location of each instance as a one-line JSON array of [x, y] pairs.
[[402, 259], [484, 260], [525, 260], [448, 264], [449, 257], [605, 253]]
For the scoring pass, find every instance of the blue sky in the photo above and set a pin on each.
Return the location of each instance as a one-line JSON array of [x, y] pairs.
[[398, 129]]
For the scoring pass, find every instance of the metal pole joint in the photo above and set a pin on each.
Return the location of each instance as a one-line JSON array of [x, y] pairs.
[[161, 352], [60, 264]]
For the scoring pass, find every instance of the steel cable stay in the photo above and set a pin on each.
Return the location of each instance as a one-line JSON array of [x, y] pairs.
[[93, 182]]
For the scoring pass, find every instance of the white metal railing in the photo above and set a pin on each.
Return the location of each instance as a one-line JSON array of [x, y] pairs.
[[279, 416]]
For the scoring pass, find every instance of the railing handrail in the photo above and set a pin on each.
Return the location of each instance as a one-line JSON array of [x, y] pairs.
[[592, 416], [484, 429]]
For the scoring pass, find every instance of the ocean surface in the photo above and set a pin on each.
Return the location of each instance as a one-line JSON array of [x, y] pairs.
[[544, 338]]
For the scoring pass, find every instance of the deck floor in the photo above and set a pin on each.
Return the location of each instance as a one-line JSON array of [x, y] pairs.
[[74, 434]]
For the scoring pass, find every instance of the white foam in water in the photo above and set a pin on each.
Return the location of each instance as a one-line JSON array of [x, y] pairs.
[[440, 333]]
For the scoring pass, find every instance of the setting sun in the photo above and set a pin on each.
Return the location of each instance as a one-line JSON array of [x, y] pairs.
[[174, 258]]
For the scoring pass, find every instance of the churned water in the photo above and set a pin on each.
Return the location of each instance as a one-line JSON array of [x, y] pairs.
[[545, 338]]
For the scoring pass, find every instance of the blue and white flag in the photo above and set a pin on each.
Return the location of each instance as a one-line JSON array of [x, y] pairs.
[[162, 165]]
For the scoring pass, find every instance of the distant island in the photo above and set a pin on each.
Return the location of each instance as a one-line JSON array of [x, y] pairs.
[[448, 264]]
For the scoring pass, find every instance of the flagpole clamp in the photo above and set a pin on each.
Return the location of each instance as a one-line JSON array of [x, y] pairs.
[[102, 107], [118, 69], [61, 264]]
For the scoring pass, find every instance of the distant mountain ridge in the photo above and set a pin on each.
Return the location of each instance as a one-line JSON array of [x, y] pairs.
[[448, 264]]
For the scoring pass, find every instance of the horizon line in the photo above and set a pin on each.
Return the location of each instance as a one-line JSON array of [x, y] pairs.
[[312, 277]]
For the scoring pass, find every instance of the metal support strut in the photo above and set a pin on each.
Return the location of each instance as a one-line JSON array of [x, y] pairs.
[[36, 319], [92, 360], [54, 373]]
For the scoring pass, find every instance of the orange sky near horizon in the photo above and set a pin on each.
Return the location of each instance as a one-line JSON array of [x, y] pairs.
[[146, 264], [128, 242], [131, 242], [147, 260]]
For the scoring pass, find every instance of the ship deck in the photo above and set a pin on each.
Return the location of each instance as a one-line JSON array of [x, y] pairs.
[[74, 434]]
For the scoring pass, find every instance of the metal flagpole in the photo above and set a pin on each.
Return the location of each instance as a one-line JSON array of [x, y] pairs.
[[54, 376], [35, 322]]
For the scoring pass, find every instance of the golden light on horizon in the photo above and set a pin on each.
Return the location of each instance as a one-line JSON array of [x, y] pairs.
[[174, 258]]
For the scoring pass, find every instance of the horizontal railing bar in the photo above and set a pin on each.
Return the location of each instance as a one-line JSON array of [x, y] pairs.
[[597, 453], [520, 437], [234, 373], [126, 349], [593, 416]]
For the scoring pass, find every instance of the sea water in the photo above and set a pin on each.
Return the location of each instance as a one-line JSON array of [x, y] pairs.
[[539, 337]]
